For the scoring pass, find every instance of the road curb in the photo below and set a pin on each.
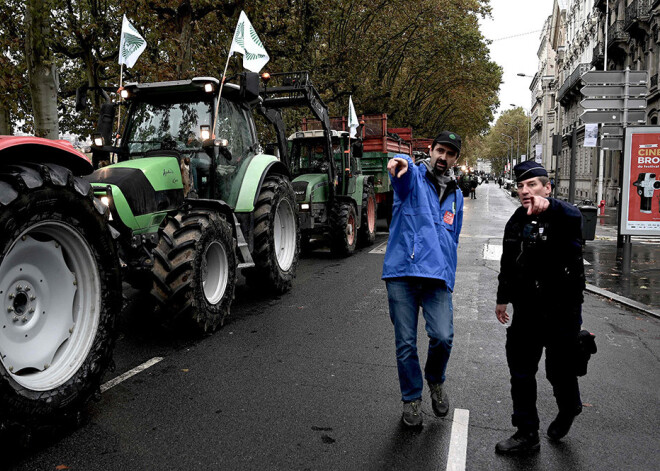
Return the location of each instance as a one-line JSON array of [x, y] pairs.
[[623, 300]]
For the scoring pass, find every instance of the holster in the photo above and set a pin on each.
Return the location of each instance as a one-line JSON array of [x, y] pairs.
[[586, 348]]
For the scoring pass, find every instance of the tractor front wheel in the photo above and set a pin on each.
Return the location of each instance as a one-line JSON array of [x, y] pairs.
[[194, 272], [343, 225]]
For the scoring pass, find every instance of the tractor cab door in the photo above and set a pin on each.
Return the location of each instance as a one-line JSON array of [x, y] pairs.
[[235, 125]]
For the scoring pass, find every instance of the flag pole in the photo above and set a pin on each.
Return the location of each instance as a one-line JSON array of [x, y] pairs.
[[121, 84], [217, 103]]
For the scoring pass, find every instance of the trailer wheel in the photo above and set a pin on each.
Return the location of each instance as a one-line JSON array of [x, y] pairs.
[[60, 290], [276, 236], [343, 224], [194, 272], [367, 233]]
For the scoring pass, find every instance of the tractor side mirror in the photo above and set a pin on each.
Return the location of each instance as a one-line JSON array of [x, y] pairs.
[[250, 86]]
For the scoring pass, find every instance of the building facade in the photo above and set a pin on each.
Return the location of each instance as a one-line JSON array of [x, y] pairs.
[[579, 36]]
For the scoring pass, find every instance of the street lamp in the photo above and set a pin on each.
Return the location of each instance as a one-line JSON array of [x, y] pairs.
[[510, 137], [529, 128], [517, 140], [507, 151]]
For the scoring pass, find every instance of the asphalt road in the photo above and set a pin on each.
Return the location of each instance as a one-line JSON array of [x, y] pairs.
[[308, 381]]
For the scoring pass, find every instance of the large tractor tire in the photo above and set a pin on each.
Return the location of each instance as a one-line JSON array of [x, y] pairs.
[[194, 274], [276, 237], [367, 233], [60, 289], [343, 224]]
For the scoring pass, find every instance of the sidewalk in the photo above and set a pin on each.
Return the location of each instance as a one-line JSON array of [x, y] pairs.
[[604, 273]]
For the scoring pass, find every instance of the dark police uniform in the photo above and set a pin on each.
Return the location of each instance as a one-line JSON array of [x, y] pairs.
[[542, 275]]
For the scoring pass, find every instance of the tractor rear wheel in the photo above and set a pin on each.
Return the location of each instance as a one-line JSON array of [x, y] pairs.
[[367, 233], [276, 236], [60, 290], [194, 272], [343, 224]]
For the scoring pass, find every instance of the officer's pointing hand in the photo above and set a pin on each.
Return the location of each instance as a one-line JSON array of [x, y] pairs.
[[397, 166], [537, 204], [500, 312]]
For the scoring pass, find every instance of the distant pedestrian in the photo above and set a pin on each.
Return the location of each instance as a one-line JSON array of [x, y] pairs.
[[420, 269], [499, 180], [542, 275], [474, 182]]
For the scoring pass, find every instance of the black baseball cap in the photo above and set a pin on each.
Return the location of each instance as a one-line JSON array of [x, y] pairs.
[[449, 138]]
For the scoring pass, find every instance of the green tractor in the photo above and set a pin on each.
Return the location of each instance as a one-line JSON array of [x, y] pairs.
[[336, 202], [192, 197]]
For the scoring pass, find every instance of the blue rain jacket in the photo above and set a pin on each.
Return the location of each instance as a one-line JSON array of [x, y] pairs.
[[424, 232]]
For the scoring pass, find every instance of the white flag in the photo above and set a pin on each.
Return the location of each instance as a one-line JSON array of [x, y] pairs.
[[352, 118], [247, 42], [131, 44]]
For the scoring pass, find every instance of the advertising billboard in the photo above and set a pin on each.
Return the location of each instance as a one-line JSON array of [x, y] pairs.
[[641, 182]]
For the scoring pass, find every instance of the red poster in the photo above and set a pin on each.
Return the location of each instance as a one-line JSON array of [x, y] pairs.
[[644, 191]]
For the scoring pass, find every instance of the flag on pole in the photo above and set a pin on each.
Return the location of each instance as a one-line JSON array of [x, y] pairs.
[[352, 118], [131, 45], [247, 42]]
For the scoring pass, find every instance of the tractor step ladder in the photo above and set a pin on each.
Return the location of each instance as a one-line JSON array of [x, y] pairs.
[[245, 258]]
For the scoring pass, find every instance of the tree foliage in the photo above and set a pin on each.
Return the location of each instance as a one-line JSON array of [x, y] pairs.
[[496, 146], [423, 62]]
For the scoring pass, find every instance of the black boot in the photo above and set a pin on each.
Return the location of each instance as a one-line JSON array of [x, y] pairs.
[[520, 442], [561, 425]]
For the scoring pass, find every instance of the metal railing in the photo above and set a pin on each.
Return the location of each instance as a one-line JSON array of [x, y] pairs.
[[638, 10], [617, 33], [572, 80]]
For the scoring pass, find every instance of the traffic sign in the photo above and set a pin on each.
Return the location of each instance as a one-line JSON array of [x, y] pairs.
[[614, 90], [611, 131], [615, 76], [612, 103], [615, 116], [611, 143]]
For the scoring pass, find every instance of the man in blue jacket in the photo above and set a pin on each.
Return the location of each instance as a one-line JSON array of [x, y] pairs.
[[420, 268]]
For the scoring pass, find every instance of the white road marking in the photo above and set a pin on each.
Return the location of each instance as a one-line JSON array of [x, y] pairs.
[[492, 252], [586, 262], [114, 382], [458, 443], [380, 249]]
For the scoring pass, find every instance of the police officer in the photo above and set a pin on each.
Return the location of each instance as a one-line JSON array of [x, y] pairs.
[[542, 275]]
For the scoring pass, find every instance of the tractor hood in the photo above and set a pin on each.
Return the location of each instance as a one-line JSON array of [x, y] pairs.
[[146, 186], [311, 188]]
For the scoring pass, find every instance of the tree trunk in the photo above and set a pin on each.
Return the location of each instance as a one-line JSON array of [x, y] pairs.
[[42, 73], [5, 125], [185, 26]]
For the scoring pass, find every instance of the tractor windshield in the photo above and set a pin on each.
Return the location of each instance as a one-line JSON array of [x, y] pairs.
[[168, 126], [308, 155]]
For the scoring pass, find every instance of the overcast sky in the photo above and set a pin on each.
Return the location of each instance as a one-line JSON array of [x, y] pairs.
[[515, 29]]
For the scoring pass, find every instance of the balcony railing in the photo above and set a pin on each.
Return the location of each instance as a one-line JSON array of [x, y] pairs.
[[616, 33], [638, 10], [572, 80]]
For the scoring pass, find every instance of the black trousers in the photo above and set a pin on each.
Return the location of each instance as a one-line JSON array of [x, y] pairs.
[[533, 329]]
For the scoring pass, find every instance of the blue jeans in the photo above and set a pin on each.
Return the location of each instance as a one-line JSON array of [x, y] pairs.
[[406, 296]]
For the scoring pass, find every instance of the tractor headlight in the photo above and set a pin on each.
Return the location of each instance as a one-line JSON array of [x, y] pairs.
[[304, 206], [105, 200], [208, 87], [205, 131], [98, 140]]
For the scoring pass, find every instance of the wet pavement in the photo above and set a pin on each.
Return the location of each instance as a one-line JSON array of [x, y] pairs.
[[603, 263]]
